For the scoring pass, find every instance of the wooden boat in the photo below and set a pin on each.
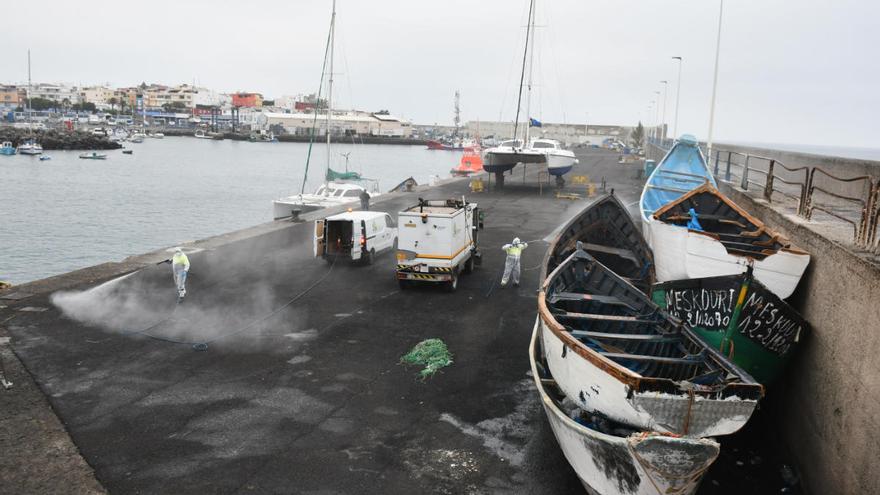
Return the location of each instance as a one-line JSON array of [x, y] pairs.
[[607, 232], [723, 240], [93, 156], [758, 331], [622, 461], [127, 152], [613, 351]]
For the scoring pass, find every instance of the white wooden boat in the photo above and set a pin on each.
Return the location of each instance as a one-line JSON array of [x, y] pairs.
[[328, 195], [622, 462], [612, 350], [728, 239], [725, 240]]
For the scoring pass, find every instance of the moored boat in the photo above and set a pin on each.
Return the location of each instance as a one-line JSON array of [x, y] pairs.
[[127, 152], [44, 158], [7, 148], [93, 156], [619, 460], [738, 316], [30, 147], [704, 234], [612, 350]]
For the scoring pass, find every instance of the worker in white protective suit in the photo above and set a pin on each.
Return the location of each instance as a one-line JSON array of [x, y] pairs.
[[512, 265], [180, 267]]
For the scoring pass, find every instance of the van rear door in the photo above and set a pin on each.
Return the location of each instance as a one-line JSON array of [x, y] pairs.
[[320, 243]]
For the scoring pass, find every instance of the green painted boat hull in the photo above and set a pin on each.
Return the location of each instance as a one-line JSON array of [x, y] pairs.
[[765, 335]]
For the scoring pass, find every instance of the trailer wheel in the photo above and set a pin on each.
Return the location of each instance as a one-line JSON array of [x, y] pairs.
[[452, 284], [469, 264]]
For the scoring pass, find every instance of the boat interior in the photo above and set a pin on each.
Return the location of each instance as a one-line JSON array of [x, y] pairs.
[[719, 217], [606, 231], [614, 319]]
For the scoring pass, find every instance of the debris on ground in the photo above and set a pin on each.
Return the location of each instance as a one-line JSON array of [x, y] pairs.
[[431, 353]]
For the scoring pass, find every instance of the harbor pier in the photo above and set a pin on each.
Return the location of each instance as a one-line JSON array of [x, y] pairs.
[[281, 373]]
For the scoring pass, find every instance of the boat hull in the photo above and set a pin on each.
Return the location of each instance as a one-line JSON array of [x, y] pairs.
[[765, 334], [7, 152], [681, 253], [502, 160], [588, 383], [284, 209], [641, 464], [560, 162]]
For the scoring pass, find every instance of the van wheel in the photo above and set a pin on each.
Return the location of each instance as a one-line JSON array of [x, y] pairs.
[[452, 284], [369, 256], [469, 264]]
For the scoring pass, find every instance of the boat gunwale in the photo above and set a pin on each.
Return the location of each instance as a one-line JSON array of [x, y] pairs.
[[706, 187]]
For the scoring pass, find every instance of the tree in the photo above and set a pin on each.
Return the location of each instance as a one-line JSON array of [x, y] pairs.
[[113, 101], [637, 136], [42, 104]]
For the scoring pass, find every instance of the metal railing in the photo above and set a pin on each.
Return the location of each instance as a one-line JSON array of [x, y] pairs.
[[812, 188]]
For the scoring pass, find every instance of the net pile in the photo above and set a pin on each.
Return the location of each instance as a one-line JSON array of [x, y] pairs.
[[431, 353]]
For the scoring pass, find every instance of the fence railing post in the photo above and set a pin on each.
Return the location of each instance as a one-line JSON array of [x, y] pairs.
[[768, 184], [727, 171], [717, 154], [808, 195], [744, 184]]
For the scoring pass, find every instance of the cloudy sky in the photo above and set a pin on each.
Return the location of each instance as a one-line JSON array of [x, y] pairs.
[[791, 71]]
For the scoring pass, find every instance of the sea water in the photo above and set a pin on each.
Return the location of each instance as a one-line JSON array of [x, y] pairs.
[[67, 213]]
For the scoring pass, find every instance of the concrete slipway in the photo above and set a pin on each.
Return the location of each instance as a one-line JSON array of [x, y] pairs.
[[311, 399]]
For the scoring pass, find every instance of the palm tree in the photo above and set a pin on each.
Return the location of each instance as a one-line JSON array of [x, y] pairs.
[[112, 101]]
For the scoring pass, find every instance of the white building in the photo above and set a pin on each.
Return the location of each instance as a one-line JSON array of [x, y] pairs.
[[350, 123], [568, 134], [55, 92], [97, 95]]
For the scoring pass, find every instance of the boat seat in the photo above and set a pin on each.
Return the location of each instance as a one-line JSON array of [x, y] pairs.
[[623, 253], [576, 296], [625, 336], [615, 318], [691, 359], [696, 177], [669, 189]]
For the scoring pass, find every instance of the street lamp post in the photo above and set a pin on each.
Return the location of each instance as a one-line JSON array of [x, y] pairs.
[[677, 96], [657, 117], [714, 84], [663, 119]]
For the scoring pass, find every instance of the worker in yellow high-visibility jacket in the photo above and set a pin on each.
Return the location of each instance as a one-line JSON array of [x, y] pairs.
[[180, 267], [511, 264]]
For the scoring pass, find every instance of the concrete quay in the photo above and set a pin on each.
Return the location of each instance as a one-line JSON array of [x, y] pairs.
[[311, 399]]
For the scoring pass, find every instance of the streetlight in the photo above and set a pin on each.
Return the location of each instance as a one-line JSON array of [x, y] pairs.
[[677, 95], [714, 84], [657, 116], [663, 120]]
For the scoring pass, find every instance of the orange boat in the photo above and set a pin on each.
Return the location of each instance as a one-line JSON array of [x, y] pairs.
[[471, 163]]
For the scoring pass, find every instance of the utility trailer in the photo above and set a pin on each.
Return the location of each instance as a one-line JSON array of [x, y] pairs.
[[437, 241]]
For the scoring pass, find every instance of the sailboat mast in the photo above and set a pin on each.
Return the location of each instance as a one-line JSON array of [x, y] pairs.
[[28, 94], [531, 63], [330, 80]]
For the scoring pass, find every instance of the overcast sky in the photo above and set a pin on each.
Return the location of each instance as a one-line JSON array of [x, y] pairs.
[[801, 71]]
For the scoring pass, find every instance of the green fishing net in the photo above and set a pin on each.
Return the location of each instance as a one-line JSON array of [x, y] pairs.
[[432, 354]]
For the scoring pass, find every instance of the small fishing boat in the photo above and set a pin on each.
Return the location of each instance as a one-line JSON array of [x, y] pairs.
[[704, 234], [612, 459], [127, 152], [201, 135], [7, 148], [470, 163], [679, 172], [613, 351], [740, 317], [137, 137], [93, 156], [467, 145], [157, 135], [608, 233], [43, 158]]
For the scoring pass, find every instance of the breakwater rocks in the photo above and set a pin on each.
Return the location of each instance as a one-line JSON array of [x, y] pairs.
[[59, 140]]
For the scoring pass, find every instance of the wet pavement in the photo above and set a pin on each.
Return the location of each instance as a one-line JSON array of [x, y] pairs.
[[280, 373]]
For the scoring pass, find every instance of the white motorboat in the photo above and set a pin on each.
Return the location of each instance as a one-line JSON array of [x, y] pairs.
[[201, 135], [30, 147], [157, 135], [617, 460], [328, 195], [137, 137]]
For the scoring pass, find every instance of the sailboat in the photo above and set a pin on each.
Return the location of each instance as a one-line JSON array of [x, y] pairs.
[[508, 154], [339, 188], [30, 146]]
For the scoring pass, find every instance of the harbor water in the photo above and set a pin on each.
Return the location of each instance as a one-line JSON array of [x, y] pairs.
[[67, 213]]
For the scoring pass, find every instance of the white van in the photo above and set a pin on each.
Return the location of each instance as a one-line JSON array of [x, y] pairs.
[[355, 236]]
